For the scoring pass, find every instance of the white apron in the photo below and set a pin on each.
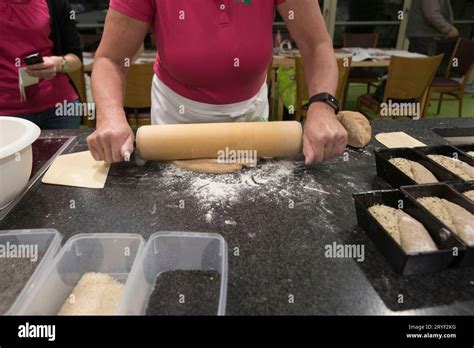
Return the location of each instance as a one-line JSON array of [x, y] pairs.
[[168, 107]]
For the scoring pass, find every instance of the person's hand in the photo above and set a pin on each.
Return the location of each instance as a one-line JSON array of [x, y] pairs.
[[453, 32], [324, 137], [46, 70], [112, 141]]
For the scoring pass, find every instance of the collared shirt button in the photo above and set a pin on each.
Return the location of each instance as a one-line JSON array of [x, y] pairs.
[[222, 7]]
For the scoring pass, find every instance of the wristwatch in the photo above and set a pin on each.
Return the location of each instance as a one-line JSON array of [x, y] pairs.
[[64, 64], [324, 98]]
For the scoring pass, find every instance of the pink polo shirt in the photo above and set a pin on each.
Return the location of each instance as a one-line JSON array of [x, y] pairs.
[[210, 51], [25, 29]]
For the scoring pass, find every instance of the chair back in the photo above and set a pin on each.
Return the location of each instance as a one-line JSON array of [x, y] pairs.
[[138, 86], [362, 40], [79, 82], [302, 94], [462, 60], [409, 78]]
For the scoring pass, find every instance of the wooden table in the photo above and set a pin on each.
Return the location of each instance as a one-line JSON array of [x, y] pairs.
[[144, 57], [288, 61]]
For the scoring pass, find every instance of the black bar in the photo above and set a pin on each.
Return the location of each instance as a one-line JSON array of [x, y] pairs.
[[349, 330]]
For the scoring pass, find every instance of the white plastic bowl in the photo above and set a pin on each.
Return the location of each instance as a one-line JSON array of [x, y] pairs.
[[16, 157]]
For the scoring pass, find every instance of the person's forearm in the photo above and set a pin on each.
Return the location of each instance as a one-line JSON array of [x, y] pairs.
[[108, 81], [73, 62], [321, 67]]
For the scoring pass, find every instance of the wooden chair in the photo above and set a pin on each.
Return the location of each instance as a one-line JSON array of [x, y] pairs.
[[343, 65], [408, 81], [79, 82], [460, 65], [138, 92], [362, 40]]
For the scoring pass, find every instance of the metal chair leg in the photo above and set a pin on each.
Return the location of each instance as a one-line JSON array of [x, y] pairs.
[[461, 99], [440, 102]]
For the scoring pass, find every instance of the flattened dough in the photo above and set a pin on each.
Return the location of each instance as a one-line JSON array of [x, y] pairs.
[[209, 166], [398, 139], [78, 169]]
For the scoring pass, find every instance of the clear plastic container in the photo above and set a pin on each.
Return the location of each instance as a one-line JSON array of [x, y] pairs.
[[175, 251], [109, 253], [48, 242]]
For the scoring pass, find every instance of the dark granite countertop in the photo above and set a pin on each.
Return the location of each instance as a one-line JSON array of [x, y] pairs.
[[279, 225]]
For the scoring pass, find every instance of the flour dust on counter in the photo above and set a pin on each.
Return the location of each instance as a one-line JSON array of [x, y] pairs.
[[185, 293], [95, 294], [14, 274], [276, 181]]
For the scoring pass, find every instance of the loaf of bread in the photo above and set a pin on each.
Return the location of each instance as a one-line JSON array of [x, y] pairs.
[[469, 194], [458, 219], [460, 168], [408, 232], [357, 126], [414, 170]]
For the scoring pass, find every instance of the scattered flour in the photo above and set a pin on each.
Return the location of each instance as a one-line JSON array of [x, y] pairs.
[[273, 180]]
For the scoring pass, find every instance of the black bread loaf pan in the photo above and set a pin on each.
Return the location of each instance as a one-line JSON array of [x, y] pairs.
[[466, 148], [396, 178], [449, 151], [401, 262], [463, 187], [448, 193]]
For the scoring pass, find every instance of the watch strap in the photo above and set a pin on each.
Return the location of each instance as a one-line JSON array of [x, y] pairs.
[[324, 98]]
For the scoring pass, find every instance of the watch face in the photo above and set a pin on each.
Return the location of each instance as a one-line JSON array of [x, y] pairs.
[[64, 64]]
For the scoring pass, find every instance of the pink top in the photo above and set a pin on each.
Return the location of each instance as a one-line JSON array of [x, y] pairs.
[[25, 29], [210, 51]]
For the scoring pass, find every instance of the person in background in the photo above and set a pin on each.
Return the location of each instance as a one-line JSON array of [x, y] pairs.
[[211, 67], [47, 27], [430, 21]]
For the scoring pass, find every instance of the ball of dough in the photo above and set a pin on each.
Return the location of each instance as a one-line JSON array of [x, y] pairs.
[[357, 126]]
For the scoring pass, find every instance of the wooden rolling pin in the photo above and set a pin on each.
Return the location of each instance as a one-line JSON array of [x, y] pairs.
[[205, 140]]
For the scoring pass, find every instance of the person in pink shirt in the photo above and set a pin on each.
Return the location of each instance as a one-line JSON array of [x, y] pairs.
[[211, 67], [43, 26]]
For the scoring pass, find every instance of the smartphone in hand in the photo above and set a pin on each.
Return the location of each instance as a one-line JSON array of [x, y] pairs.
[[35, 58]]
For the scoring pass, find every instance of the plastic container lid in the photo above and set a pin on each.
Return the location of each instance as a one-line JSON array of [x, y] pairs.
[[48, 242], [173, 251], [110, 253]]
